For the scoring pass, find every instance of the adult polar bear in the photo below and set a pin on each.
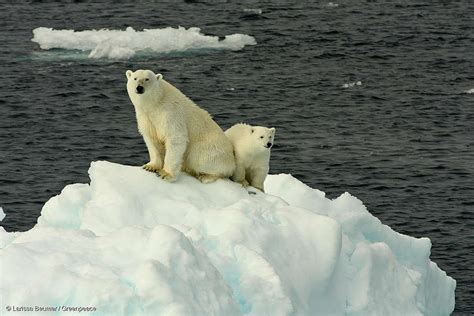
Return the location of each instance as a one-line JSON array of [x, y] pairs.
[[179, 135]]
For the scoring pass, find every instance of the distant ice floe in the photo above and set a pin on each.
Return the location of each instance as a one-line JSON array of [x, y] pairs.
[[352, 84], [469, 91], [332, 5], [253, 11], [123, 44]]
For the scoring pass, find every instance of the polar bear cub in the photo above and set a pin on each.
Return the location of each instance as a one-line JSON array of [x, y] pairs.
[[252, 146], [179, 135]]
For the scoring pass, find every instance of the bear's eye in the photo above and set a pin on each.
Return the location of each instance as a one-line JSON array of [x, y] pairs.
[[134, 78], [261, 137], [147, 79]]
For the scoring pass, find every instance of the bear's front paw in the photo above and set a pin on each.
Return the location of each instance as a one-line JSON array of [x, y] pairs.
[[165, 175], [151, 167], [244, 183]]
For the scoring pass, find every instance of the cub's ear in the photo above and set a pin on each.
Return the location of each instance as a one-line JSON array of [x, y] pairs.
[[129, 73], [159, 77], [273, 130]]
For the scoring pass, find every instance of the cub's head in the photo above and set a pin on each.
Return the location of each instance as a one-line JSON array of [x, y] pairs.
[[262, 137], [140, 81]]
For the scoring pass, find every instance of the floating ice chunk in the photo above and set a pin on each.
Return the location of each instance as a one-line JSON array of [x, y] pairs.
[[123, 44], [469, 91], [253, 11], [332, 5], [352, 84], [131, 243]]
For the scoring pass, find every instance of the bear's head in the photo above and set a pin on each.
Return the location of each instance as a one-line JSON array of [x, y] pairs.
[[262, 137], [140, 81]]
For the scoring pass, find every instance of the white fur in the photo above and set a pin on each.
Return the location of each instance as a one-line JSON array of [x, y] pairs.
[[179, 135], [252, 154]]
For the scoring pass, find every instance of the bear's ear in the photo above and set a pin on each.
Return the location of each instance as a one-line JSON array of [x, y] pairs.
[[252, 130], [273, 130], [129, 73], [159, 77]]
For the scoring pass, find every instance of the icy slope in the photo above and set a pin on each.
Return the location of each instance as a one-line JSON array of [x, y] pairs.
[[119, 44], [130, 243]]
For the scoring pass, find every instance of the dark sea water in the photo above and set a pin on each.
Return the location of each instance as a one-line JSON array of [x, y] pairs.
[[402, 142]]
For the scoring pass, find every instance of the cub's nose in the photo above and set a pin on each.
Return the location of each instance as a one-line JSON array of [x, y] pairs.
[[140, 89], [269, 145]]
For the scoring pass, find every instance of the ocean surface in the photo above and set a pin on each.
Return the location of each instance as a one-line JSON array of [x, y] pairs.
[[401, 140]]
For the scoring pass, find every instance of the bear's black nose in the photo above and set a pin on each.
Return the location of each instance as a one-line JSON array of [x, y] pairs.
[[269, 145], [140, 89]]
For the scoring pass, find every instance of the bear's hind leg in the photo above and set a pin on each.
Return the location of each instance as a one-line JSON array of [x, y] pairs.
[[208, 164], [239, 175]]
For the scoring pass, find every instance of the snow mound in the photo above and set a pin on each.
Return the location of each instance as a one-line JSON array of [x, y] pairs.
[[119, 44], [132, 244]]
